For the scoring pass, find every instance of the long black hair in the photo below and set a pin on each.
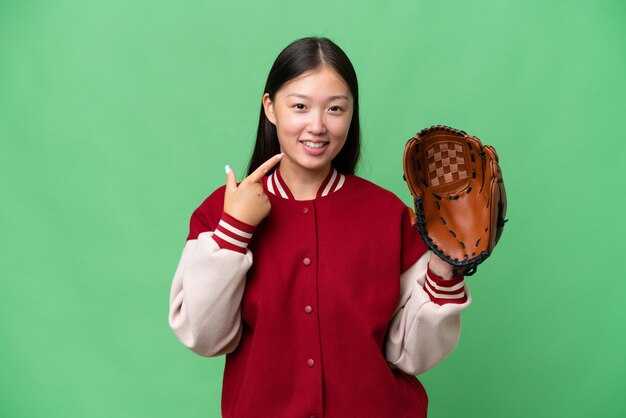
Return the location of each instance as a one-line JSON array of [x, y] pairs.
[[304, 55]]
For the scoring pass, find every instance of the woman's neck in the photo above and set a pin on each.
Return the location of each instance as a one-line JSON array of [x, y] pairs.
[[302, 183]]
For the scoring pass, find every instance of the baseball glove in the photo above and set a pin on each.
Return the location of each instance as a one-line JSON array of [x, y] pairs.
[[460, 200]]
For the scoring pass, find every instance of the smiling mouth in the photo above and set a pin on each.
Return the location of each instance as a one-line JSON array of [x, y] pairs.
[[315, 145]]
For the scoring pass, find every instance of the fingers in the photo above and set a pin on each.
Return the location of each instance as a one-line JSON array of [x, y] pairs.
[[247, 201], [231, 179], [255, 176], [260, 172]]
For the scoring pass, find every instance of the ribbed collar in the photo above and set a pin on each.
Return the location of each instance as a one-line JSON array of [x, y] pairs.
[[275, 184]]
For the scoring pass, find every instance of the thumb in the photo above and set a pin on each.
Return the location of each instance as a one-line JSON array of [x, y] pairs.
[[231, 179]]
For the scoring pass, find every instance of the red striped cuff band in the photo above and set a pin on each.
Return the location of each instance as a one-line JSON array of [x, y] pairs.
[[443, 291], [232, 234]]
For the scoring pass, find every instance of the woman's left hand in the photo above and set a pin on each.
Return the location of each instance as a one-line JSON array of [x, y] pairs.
[[440, 267]]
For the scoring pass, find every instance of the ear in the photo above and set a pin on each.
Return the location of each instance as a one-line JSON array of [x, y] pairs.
[[268, 107]]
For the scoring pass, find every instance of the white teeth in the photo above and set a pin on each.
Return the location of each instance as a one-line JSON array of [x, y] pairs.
[[311, 144]]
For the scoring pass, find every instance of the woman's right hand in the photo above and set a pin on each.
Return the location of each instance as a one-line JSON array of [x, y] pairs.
[[248, 201]]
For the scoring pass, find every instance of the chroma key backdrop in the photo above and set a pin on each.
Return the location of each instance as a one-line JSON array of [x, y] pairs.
[[117, 118]]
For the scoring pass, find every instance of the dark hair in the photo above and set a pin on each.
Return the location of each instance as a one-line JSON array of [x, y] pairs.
[[304, 55]]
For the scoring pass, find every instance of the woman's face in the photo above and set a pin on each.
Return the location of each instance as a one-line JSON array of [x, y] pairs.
[[312, 115]]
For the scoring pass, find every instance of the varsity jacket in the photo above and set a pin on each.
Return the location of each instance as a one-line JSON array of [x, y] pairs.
[[326, 309]]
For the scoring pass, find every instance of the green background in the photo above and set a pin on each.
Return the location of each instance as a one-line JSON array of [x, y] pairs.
[[117, 118]]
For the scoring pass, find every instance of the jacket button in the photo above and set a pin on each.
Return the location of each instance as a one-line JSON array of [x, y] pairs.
[[310, 362], [306, 261], [308, 309], [305, 210]]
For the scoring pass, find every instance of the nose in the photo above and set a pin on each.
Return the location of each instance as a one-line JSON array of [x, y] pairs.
[[317, 125]]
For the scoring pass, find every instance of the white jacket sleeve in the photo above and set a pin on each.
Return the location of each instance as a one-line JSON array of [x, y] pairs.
[[206, 293], [423, 332]]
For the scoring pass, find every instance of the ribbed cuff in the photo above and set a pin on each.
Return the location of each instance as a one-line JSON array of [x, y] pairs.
[[443, 291], [232, 234]]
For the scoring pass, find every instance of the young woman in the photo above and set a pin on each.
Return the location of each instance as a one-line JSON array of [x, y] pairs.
[[311, 279]]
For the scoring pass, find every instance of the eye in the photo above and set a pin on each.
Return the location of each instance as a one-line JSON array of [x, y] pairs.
[[335, 109], [299, 106]]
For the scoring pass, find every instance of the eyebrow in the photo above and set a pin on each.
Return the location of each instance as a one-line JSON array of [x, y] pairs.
[[304, 96]]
